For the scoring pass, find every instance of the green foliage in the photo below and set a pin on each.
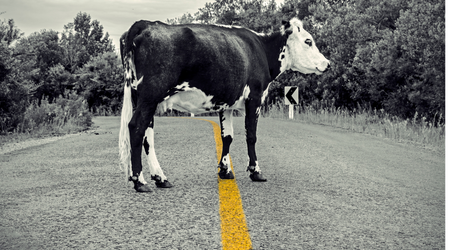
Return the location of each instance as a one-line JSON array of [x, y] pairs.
[[65, 115], [101, 84], [37, 72], [13, 95], [82, 40], [388, 54], [404, 70], [9, 32]]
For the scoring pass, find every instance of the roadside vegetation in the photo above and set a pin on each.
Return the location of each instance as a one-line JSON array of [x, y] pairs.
[[418, 130], [387, 75]]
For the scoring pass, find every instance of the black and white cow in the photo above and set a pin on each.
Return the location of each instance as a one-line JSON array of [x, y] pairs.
[[201, 68]]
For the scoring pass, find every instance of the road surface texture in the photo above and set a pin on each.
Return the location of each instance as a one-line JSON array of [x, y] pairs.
[[327, 189]]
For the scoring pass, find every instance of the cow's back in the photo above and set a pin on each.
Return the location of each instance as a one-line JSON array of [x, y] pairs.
[[218, 60]]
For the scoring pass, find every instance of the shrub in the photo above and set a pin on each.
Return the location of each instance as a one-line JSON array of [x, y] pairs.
[[65, 115]]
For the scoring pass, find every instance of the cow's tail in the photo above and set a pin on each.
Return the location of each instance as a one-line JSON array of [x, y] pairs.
[[127, 107], [124, 134]]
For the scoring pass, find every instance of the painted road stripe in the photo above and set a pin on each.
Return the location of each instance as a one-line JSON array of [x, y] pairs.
[[234, 227]]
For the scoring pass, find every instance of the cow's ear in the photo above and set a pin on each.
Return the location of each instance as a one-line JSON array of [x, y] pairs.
[[286, 24], [286, 28]]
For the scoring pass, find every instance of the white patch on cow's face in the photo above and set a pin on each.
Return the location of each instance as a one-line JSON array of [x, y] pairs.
[[300, 53], [240, 103], [187, 99]]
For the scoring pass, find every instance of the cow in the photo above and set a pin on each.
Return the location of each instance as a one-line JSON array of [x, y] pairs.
[[200, 68]]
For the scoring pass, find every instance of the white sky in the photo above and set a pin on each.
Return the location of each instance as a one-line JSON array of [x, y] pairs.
[[116, 16]]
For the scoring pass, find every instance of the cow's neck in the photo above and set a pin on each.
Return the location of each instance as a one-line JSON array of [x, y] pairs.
[[274, 44]]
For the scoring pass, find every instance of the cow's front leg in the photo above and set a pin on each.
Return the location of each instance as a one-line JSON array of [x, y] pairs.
[[226, 125], [251, 121]]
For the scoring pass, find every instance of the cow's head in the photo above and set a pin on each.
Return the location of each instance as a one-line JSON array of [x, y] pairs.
[[300, 53]]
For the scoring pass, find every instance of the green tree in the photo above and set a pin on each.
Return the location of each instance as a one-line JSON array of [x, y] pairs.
[[259, 15], [100, 83], [13, 95], [404, 70], [37, 58], [184, 19], [82, 40], [9, 31]]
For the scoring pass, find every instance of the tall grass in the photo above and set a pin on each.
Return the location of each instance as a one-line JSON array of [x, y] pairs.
[[418, 130], [63, 116]]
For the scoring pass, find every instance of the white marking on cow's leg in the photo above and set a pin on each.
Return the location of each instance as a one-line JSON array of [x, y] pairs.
[[257, 169], [141, 178], [226, 162], [155, 168], [226, 125], [124, 134]]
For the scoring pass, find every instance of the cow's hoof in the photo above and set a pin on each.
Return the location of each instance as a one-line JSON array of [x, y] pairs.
[[257, 176], [160, 183], [224, 175], [163, 184], [139, 186], [142, 188]]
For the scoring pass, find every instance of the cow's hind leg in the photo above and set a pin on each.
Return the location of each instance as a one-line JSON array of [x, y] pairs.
[[137, 126], [155, 170], [251, 120], [226, 125], [127, 129]]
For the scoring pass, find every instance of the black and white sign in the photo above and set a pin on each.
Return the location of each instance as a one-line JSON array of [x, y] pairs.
[[291, 95]]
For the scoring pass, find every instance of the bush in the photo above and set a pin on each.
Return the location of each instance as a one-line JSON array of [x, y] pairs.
[[61, 117]]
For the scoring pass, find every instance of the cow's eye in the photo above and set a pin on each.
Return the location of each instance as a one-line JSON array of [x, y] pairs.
[[309, 42]]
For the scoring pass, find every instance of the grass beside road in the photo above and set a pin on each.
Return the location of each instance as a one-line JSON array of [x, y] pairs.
[[62, 117], [419, 130]]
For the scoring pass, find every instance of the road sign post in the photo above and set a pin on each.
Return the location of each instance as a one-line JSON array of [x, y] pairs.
[[291, 112], [291, 99]]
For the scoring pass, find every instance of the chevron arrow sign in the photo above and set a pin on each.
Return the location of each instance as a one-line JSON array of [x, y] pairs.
[[291, 95]]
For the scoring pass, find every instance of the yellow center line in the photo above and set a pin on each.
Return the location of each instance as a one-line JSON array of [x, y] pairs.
[[234, 227]]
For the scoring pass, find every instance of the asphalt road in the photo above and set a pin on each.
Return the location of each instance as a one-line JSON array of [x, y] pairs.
[[326, 189]]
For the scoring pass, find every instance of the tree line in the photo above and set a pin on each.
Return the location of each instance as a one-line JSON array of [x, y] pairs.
[[386, 55], [78, 64]]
